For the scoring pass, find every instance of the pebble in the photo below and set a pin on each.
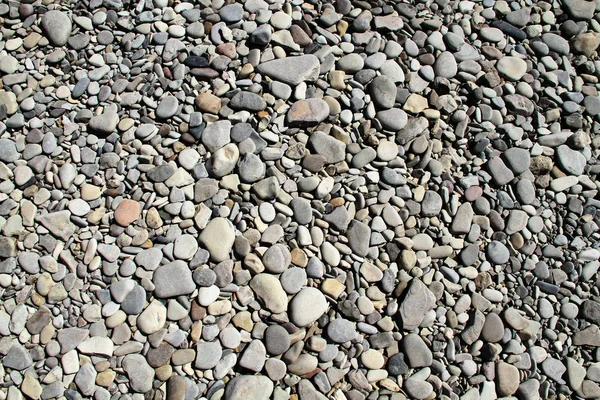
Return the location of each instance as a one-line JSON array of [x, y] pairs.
[[252, 200]]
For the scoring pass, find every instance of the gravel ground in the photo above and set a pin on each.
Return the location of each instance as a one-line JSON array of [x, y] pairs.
[[278, 199]]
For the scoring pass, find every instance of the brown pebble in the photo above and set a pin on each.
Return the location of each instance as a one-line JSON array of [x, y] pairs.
[[208, 102], [127, 212]]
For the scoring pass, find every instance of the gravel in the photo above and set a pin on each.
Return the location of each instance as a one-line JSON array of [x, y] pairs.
[[272, 200]]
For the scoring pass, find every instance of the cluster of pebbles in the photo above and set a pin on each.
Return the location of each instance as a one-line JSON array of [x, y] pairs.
[[280, 199]]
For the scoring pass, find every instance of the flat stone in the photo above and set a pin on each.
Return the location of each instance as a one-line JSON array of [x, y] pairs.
[[167, 107], [383, 91], [571, 161], [223, 161], [17, 358], [249, 387], [356, 234], [268, 288], [218, 238], [512, 68], [417, 353], [216, 135], [8, 150], [208, 355], [97, 345], [418, 389], [292, 70], [418, 301], [277, 340], [172, 280], [58, 223], [341, 330], [507, 379], [247, 101], [309, 112], [277, 259], [393, 119], [140, 374], [332, 149], [254, 356], [493, 328]]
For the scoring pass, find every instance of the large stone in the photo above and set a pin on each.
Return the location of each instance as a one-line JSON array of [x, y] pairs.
[[223, 161], [383, 91], [172, 280], [358, 235], [218, 237], [17, 358], [292, 70], [268, 288], [59, 224], [512, 68], [306, 113], [249, 387], [57, 27], [141, 375], [208, 354], [571, 161], [332, 149], [418, 301], [507, 378], [307, 306], [152, 318]]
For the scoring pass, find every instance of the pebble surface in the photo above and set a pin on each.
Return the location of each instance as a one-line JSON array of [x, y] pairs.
[[254, 200]]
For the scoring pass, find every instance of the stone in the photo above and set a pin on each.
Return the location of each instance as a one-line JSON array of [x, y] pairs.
[[307, 306], [291, 70], [208, 355], [507, 379], [268, 288], [580, 9], [218, 238], [254, 356], [332, 149], [127, 212], [105, 123], [512, 68], [17, 358], [223, 160], [216, 135], [383, 91], [341, 330], [277, 340], [249, 387], [418, 389], [8, 150], [58, 223], [571, 161], [497, 253], [493, 328], [172, 280], [393, 119], [57, 27], [416, 351], [277, 259], [140, 374], [417, 302], [152, 318], [167, 107], [247, 101], [309, 112]]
